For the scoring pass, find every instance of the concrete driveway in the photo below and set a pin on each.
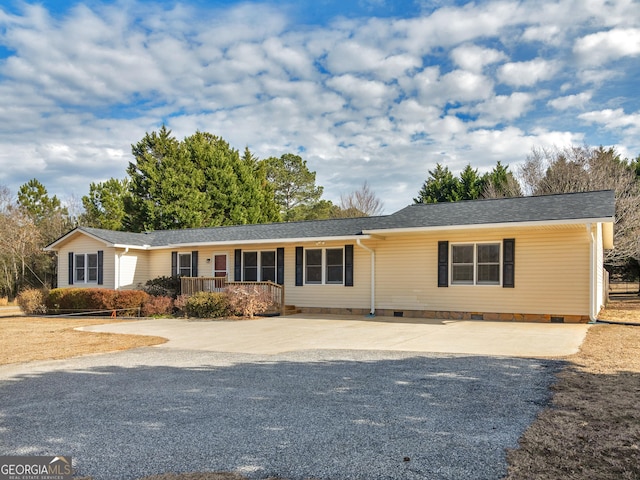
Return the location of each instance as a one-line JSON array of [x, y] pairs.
[[336, 332], [341, 402]]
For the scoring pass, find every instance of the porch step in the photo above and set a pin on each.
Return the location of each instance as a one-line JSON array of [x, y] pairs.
[[291, 310]]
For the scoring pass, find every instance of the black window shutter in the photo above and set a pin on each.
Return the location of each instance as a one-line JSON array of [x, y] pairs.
[[508, 262], [348, 265], [71, 268], [194, 263], [100, 267], [299, 266], [237, 265], [280, 266], [174, 264], [443, 264]]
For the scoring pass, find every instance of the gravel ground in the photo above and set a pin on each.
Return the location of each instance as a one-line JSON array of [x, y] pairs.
[[317, 414]]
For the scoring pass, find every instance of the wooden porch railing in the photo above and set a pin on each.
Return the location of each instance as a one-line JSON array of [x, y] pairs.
[[191, 285]]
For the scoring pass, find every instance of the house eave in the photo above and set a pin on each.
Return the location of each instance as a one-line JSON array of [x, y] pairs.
[[131, 247], [298, 240], [484, 226]]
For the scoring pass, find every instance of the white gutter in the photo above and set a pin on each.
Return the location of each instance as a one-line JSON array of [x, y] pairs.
[[263, 241], [473, 226], [372, 312]]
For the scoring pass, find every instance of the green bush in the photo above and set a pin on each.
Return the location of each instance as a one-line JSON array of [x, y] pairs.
[[31, 301], [163, 287], [157, 306], [207, 305]]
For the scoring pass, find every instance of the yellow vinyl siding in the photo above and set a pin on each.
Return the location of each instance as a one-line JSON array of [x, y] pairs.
[[80, 244], [551, 273], [330, 296]]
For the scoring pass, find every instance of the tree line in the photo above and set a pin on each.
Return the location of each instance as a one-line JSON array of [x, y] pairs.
[[201, 181], [553, 171]]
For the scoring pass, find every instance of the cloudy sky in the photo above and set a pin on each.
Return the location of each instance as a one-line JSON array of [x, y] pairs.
[[375, 90]]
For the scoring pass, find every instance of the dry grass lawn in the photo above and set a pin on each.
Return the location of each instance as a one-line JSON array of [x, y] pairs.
[[25, 339], [590, 431], [592, 428]]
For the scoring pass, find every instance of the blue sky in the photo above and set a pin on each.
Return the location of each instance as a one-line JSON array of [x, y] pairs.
[[363, 90]]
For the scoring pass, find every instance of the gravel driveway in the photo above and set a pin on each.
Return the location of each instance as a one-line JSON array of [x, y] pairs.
[[313, 414]]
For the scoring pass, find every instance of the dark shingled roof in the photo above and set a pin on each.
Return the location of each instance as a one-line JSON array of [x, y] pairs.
[[548, 208], [572, 206]]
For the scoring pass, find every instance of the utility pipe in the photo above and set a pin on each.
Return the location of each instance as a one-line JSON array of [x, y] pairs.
[[372, 312]]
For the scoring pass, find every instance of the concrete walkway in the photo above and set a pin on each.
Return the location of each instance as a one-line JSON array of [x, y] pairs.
[[336, 332]]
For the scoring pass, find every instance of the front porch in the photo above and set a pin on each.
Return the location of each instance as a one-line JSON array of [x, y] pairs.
[[191, 285]]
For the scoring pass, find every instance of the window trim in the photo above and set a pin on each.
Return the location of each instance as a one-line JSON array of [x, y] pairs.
[[475, 282], [259, 265], [324, 266], [180, 267], [85, 268]]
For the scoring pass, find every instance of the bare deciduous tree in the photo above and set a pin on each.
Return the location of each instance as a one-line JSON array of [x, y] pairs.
[[582, 169], [360, 203]]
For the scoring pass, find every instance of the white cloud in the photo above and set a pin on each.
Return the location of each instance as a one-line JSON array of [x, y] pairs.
[[503, 108], [380, 99], [474, 58], [527, 74], [455, 86], [578, 100], [549, 34], [362, 93], [602, 47], [614, 119]]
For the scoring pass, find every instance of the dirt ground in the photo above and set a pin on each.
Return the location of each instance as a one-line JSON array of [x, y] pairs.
[[591, 430]]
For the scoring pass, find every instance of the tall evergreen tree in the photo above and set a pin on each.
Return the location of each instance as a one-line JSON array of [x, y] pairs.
[[198, 182], [34, 198], [441, 186], [470, 184], [104, 205], [500, 183], [294, 185]]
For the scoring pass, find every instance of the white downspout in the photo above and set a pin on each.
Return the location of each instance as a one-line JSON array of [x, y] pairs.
[[126, 250], [372, 312], [592, 276]]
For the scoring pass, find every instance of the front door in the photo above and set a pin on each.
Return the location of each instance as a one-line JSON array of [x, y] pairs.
[[220, 265]]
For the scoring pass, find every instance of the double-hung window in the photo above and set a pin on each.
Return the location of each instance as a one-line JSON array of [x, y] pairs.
[[324, 266], [184, 264], [475, 264], [259, 266], [86, 268]]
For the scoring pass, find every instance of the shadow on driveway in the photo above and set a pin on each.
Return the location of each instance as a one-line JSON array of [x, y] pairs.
[[397, 417]]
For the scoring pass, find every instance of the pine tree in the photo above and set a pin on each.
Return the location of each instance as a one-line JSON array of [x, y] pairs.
[[441, 186]]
